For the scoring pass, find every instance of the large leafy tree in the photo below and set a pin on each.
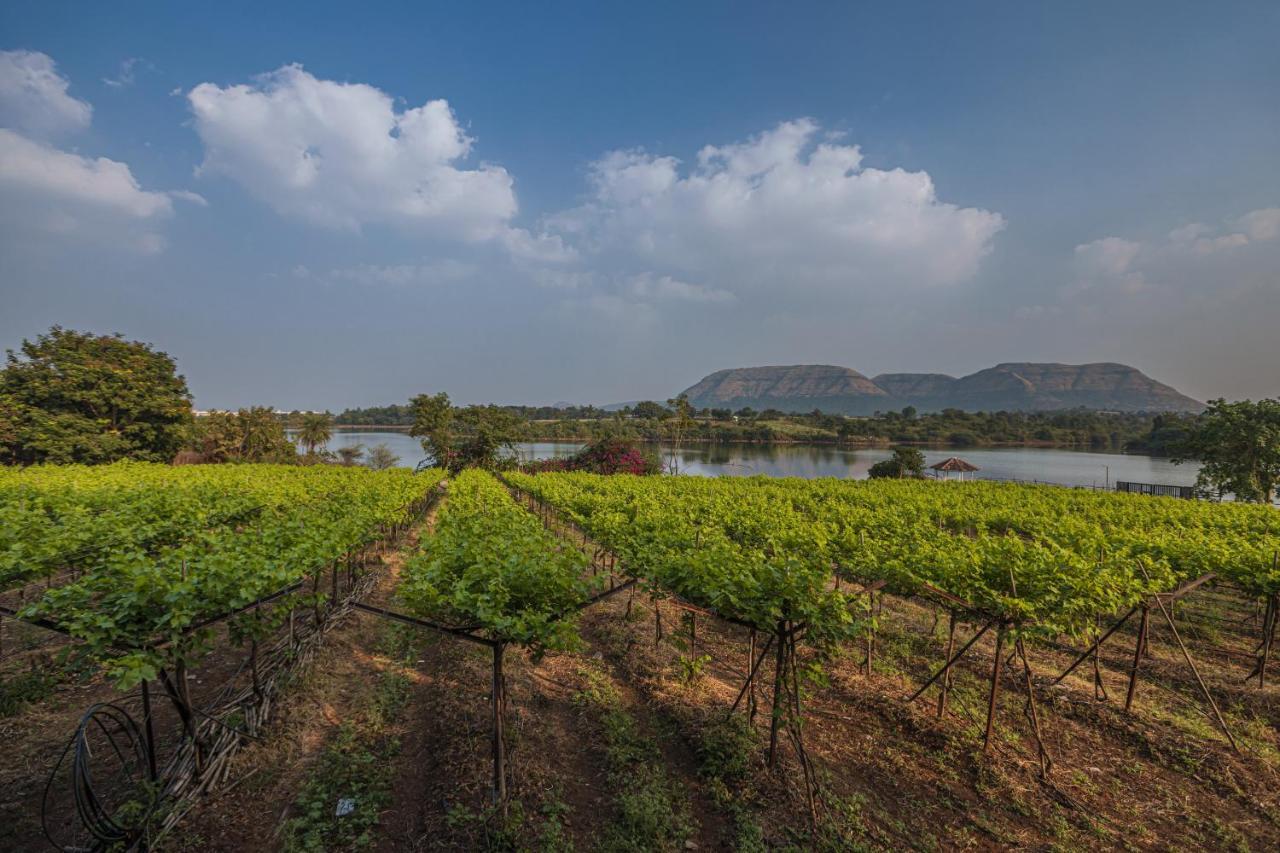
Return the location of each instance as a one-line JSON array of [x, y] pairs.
[[78, 397], [1238, 446], [650, 410], [8, 429], [905, 462], [465, 437], [249, 435]]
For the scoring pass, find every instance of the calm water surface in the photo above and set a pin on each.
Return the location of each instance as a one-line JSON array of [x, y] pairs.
[[1064, 467]]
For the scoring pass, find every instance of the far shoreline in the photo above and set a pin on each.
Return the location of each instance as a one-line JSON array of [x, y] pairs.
[[859, 444]]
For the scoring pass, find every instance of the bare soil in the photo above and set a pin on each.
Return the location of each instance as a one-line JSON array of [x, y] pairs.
[[891, 774]]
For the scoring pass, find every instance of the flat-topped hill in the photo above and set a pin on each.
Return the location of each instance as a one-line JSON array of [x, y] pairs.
[[1012, 386]]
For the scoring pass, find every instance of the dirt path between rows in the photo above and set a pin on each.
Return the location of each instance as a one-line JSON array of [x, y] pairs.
[[559, 777], [249, 815]]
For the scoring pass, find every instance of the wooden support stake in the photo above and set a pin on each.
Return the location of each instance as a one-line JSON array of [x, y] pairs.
[[1099, 688], [253, 668], [1262, 652], [1096, 644], [1270, 633], [946, 676], [947, 666], [779, 670], [1046, 764], [797, 735], [180, 696], [995, 687], [1138, 649], [1146, 639], [1268, 630], [149, 730], [499, 741], [871, 630], [1204, 688], [750, 685], [315, 592]]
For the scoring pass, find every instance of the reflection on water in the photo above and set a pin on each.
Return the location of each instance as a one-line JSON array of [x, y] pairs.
[[1065, 467]]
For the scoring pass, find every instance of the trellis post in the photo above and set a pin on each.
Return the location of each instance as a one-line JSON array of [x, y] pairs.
[[946, 675], [150, 730], [995, 687], [779, 672], [1139, 646], [499, 739]]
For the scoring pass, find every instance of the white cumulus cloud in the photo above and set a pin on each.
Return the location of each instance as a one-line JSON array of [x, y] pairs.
[[1194, 253], [33, 96], [58, 176], [1109, 261], [779, 212], [1261, 225], [53, 191], [341, 155]]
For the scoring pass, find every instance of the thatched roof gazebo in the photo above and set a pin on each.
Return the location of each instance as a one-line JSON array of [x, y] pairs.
[[953, 468]]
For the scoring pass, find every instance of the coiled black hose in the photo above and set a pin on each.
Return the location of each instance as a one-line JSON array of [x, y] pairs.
[[116, 816]]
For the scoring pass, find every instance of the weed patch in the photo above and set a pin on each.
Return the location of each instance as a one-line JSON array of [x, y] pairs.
[[652, 812], [339, 804]]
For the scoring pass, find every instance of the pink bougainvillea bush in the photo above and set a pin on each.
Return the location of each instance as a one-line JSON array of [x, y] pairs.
[[605, 456]]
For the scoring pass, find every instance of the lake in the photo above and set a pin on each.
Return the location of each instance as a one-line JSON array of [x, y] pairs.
[[1062, 467]]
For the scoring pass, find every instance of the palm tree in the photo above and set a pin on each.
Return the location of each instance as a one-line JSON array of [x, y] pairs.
[[315, 430]]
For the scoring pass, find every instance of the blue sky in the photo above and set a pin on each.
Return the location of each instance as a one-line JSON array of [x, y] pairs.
[[617, 200]]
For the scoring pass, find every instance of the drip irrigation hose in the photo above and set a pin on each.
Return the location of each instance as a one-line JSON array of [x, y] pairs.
[[111, 825]]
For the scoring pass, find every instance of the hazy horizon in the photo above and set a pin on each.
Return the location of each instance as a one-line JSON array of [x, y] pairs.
[[319, 206]]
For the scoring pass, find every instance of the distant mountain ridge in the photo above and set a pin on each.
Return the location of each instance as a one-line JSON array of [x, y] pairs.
[[1012, 386]]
